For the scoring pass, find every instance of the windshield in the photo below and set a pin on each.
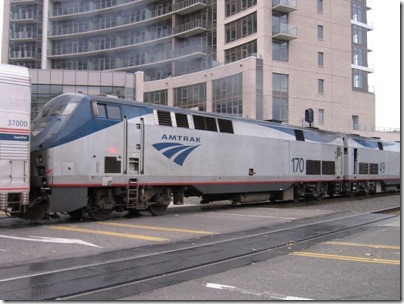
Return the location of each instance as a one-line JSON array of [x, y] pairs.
[[66, 109], [57, 107]]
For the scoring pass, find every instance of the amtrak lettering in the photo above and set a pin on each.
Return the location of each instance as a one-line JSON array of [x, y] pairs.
[[181, 138], [176, 151]]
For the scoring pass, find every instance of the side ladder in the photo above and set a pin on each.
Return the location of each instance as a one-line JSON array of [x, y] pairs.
[[132, 193]]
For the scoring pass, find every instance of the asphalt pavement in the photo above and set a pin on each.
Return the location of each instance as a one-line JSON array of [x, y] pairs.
[[364, 266]]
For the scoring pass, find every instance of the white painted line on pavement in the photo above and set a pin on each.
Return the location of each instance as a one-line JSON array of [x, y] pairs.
[[260, 294], [49, 240]]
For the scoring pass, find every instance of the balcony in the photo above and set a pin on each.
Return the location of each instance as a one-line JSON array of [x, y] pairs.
[[22, 55], [23, 37], [92, 27], [93, 9], [198, 50], [24, 1], [284, 6], [97, 49], [284, 32], [192, 28], [368, 26], [368, 69], [189, 6], [23, 18]]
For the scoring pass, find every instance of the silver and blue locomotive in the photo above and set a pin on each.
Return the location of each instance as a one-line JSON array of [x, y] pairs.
[[95, 155]]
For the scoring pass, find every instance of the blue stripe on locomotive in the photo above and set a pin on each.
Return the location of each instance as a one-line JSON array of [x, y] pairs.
[[315, 136], [63, 129], [371, 143]]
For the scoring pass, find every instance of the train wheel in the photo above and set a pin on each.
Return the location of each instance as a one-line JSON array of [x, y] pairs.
[[100, 205], [318, 197], [318, 192], [98, 214], [157, 209]]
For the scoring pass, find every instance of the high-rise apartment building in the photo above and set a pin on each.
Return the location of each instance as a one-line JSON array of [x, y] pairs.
[[264, 59]]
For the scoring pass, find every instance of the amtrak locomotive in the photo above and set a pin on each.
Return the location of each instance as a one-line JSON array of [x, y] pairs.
[[93, 155]]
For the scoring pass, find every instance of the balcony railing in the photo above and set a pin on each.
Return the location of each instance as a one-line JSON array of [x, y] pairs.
[[23, 36], [368, 26], [358, 127], [189, 6], [284, 32], [284, 6], [192, 28], [183, 7], [119, 44], [369, 68], [23, 17], [90, 26], [199, 48], [25, 1], [22, 55]]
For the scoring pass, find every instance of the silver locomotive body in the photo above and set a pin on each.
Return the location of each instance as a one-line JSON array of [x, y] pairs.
[[94, 155]]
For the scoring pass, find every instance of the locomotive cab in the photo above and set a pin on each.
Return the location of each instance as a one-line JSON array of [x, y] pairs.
[[49, 128], [87, 155]]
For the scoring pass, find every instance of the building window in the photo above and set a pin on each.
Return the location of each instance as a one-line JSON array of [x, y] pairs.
[[359, 12], [320, 32], [279, 23], [359, 80], [320, 116], [280, 50], [230, 7], [247, 3], [192, 96], [241, 28], [321, 86], [359, 56], [320, 59], [241, 51], [280, 96], [358, 35], [114, 91], [227, 94], [156, 97], [355, 122], [319, 6], [184, 94], [235, 6]]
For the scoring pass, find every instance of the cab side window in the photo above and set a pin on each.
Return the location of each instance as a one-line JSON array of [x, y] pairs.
[[108, 111]]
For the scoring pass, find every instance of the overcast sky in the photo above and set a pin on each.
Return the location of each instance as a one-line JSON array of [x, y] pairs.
[[385, 42], [385, 58]]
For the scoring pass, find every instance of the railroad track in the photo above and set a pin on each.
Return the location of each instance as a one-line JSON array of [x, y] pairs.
[[119, 274], [226, 205]]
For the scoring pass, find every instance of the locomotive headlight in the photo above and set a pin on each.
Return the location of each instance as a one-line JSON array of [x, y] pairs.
[[40, 159]]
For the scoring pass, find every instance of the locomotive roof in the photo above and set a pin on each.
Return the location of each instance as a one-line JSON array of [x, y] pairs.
[[217, 115], [189, 111]]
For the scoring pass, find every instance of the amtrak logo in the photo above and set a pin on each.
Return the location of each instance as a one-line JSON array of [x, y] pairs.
[[178, 152]]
